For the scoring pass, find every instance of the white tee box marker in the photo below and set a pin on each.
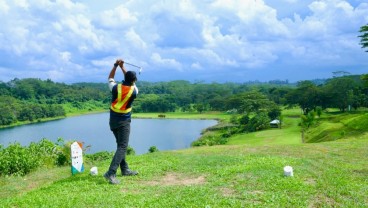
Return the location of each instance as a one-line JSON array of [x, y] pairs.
[[77, 157], [288, 171], [94, 171]]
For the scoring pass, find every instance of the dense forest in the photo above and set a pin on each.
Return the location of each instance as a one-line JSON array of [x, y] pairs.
[[34, 99]]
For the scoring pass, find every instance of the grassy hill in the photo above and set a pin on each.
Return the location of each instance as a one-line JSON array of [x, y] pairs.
[[248, 172], [334, 126]]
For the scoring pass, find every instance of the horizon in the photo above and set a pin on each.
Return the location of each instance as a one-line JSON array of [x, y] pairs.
[[195, 81]]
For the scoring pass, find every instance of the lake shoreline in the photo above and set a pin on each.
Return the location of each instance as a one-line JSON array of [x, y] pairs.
[[21, 123], [171, 115]]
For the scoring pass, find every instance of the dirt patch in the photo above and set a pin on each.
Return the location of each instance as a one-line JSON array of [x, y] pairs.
[[175, 179], [255, 192], [227, 192], [310, 181], [322, 201], [363, 172]]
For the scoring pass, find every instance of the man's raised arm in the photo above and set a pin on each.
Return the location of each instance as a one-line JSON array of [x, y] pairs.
[[113, 70]]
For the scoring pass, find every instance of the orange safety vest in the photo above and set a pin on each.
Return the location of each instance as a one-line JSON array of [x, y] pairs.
[[120, 104]]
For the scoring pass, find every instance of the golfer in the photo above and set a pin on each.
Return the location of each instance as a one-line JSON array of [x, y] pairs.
[[123, 96]]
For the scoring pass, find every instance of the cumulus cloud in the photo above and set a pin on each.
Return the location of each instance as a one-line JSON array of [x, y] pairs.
[[64, 40], [165, 63], [118, 17], [4, 7]]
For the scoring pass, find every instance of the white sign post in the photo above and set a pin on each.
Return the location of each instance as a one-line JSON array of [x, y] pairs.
[[77, 157], [288, 171]]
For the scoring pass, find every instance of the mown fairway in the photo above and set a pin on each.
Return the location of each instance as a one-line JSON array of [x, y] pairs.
[[246, 173]]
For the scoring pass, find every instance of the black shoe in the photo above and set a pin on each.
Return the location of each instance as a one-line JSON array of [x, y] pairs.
[[111, 178], [129, 172]]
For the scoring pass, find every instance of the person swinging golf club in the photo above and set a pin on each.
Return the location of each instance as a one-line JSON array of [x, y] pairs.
[[123, 96]]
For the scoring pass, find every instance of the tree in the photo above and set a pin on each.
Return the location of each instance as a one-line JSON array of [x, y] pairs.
[[274, 111], [307, 96], [364, 36], [259, 122], [8, 109], [339, 92], [200, 107], [364, 77], [249, 102]]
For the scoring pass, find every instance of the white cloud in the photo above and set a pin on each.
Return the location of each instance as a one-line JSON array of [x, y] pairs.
[[118, 17], [4, 7], [21, 3], [249, 35], [135, 39], [65, 56], [82, 29], [165, 62], [196, 65]]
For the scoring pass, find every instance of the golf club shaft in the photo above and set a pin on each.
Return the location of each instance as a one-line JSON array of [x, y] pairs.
[[132, 65]]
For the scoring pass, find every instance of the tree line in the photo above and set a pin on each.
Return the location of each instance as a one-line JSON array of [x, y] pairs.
[[32, 99]]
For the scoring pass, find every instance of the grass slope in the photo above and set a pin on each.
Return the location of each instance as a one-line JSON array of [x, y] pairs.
[[288, 134], [334, 126], [332, 174]]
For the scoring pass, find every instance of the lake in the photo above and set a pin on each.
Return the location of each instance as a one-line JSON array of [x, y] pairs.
[[93, 129]]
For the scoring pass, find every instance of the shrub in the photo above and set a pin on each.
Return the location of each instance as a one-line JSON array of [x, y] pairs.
[[130, 151], [211, 138], [17, 160], [44, 151], [259, 122], [153, 149], [62, 152], [234, 119], [244, 119], [100, 156]]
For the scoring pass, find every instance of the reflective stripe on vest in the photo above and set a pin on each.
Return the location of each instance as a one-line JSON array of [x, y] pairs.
[[119, 105]]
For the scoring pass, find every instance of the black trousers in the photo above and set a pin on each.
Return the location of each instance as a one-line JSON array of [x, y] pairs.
[[121, 132]]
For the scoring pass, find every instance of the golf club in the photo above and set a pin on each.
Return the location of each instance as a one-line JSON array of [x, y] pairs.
[[140, 68]]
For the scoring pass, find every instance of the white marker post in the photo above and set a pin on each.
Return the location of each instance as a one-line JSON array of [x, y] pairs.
[[288, 171], [77, 157]]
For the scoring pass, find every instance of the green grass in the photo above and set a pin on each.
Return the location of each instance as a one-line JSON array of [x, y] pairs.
[[246, 173], [288, 134], [334, 126], [332, 174]]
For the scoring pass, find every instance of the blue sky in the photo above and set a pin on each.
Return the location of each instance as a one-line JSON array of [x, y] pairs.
[[196, 40]]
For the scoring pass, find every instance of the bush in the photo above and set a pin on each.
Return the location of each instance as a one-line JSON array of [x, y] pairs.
[[44, 151], [19, 160], [153, 149], [259, 122], [211, 138], [234, 119], [244, 119], [210, 141], [130, 151], [100, 156]]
